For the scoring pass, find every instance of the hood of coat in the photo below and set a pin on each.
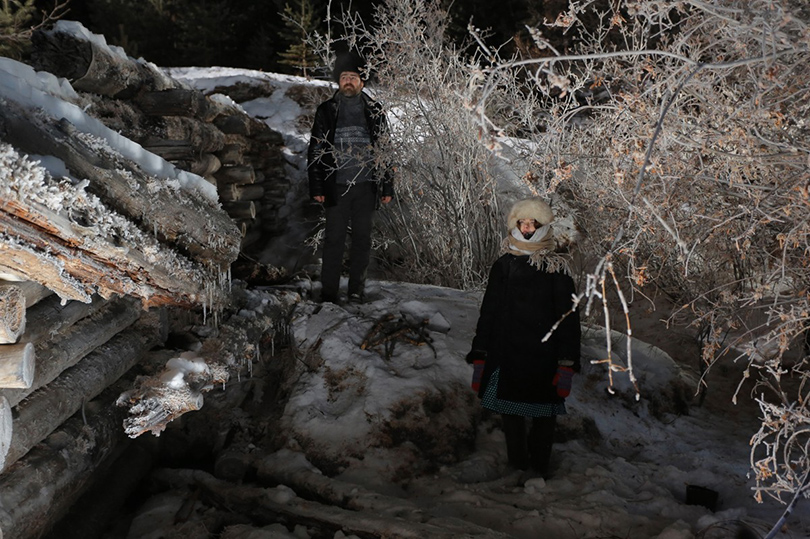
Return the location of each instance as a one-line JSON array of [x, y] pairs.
[[530, 208]]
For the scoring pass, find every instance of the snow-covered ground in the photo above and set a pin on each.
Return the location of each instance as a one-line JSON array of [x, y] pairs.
[[622, 467], [402, 423]]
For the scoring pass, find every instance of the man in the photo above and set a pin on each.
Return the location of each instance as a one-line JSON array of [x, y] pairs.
[[343, 175]]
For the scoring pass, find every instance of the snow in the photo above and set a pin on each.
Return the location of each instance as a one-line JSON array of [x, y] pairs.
[[405, 425], [630, 480], [46, 94], [177, 369]]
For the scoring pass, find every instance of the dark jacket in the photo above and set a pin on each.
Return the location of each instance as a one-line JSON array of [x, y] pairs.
[[321, 159], [520, 305]]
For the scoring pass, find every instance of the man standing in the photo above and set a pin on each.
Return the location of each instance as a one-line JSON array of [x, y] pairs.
[[344, 176]]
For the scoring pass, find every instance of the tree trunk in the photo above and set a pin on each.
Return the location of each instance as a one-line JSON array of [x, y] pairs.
[[241, 209], [235, 192], [182, 219], [201, 136], [171, 150], [316, 486], [231, 154], [66, 348], [235, 124], [34, 292], [5, 433], [204, 165], [250, 192], [17, 365], [12, 313], [259, 504], [51, 316], [43, 411]]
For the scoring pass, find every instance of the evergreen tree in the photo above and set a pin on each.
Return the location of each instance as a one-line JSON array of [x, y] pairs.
[[15, 26], [299, 23]]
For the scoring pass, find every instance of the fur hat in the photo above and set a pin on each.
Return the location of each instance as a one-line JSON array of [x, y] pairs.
[[530, 208], [349, 61]]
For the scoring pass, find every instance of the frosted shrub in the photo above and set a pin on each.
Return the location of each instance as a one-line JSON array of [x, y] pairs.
[[678, 131], [442, 227]]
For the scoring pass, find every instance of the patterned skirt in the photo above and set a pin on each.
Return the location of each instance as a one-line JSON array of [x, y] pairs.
[[526, 409]]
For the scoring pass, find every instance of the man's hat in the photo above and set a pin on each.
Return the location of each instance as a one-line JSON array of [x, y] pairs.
[[349, 61]]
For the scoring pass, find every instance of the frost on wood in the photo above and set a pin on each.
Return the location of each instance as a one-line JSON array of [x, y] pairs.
[[178, 389], [68, 240]]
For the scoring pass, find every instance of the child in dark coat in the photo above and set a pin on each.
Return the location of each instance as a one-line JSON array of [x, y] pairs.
[[525, 375]]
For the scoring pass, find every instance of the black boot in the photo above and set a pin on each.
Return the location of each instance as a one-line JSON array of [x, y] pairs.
[[541, 438], [517, 450]]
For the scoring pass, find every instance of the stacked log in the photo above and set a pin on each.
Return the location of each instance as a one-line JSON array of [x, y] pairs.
[[17, 361], [252, 164], [43, 411], [88, 261], [62, 338], [67, 462], [215, 140], [77, 250], [91, 67], [82, 353]]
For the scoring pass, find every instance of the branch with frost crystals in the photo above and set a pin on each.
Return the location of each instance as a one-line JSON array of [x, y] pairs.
[[177, 389], [777, 528]]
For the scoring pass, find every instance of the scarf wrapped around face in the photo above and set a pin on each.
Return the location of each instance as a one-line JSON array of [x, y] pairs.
[[539, 248]]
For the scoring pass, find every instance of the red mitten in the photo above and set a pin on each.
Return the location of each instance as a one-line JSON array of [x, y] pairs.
[[478, 373], [563, 379]]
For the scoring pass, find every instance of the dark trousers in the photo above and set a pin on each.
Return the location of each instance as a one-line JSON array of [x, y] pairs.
[[532, 450], [354, 207]]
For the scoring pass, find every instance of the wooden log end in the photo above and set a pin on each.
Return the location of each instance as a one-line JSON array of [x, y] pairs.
[[12, 312], [17, 365]]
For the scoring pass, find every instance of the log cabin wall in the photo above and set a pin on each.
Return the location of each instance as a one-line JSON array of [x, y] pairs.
[[66, 358], [239, 154], [78, 356]]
